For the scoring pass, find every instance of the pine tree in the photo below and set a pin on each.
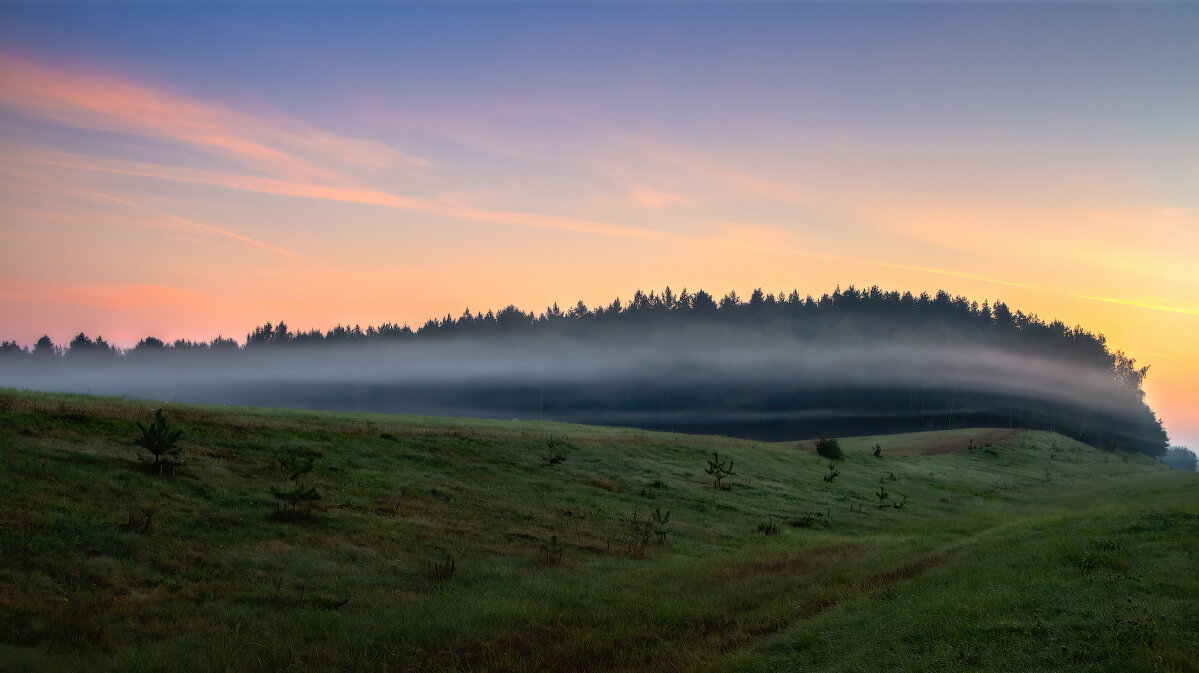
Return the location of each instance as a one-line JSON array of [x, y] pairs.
[[160, 440]]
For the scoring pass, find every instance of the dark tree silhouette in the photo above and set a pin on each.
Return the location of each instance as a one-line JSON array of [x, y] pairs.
[[45, 349], [845, 314]]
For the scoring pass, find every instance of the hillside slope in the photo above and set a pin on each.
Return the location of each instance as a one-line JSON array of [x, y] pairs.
[[1027, 552]]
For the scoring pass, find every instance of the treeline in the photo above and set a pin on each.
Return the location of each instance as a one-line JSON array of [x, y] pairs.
[[847, 315]]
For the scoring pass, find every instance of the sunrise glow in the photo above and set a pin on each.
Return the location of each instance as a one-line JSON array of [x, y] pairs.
[[185, 171]]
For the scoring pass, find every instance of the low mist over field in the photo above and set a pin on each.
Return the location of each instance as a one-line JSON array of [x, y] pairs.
[[849, 364], [706, 359]]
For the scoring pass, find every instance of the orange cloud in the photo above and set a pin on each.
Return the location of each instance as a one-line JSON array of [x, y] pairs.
[[117, 298], [1164, 305], [1152, 305], [725, 175], [649, 197], [187, 224], [343, 194], [101, 101], [295, 157], [962, 274]]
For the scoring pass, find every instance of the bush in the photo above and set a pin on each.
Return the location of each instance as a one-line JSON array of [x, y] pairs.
[[829, 448]]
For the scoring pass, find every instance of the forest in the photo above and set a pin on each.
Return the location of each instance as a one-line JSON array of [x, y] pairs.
[[773, 367]]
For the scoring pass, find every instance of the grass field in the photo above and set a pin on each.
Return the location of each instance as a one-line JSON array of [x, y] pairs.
[[1029, 552]]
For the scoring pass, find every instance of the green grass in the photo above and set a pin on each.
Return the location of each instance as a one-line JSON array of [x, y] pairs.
[[1020, 556]]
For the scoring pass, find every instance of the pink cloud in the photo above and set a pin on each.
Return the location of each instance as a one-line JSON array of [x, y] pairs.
[[129, 297], [299, 161], [101, 101], [648, 197], [175, 222], [724, 174], [339, 193]]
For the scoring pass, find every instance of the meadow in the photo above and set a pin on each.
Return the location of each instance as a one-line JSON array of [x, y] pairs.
[[444, 544]]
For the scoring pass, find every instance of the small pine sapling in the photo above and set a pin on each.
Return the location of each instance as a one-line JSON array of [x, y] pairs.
[[768, 527], [660, 521], [441, 571], [719, 470], [878, 451], [833, 472], [805, 521], [297, 501], [159, 439], [551, 551], [882, 497], [639, 533]]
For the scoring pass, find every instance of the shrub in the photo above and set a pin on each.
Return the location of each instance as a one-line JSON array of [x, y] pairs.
[[159, 439], [882, 497], [829, 448], [878, 450]]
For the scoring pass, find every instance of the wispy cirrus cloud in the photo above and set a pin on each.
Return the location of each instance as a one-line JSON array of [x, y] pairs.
[[342, 194], [157, 218], [1165, 305], [648, 197], [100, 101], [723, 174], [120, 297], [298, 161], [963, 274], [1149, 304]]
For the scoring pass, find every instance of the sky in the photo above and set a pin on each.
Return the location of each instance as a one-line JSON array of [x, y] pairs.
[[188, 170]]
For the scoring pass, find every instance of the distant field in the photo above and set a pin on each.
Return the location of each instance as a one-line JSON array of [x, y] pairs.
[[1028, 552]]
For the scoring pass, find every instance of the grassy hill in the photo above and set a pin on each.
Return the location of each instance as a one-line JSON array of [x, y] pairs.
[[1028, 552]]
